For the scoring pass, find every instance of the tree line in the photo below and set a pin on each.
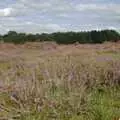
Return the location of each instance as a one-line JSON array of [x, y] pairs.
[[62, 37]]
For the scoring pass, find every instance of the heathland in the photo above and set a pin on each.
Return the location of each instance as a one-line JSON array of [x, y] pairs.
[[47, 81]]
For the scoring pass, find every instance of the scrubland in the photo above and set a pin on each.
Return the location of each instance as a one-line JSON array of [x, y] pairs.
[[46, 81]]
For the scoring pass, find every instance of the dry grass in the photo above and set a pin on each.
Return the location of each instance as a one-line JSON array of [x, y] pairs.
[[60, 82]]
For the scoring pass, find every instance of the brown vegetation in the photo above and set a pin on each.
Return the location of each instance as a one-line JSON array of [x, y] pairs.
[[59, 81]]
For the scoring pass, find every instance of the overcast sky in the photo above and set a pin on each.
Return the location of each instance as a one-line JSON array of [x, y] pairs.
[[38, 16]]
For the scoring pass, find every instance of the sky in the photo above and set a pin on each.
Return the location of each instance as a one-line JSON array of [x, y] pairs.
[[47, 16]]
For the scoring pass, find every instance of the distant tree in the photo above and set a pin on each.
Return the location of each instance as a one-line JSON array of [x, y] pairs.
[[63, 37], [1, 39]]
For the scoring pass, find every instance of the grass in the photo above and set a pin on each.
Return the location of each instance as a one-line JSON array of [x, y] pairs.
[[60, 85]]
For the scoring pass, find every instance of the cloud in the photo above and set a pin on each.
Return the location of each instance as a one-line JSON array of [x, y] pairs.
[[31, 27], [59, 15], [44, 6], [64, 15], [99, 7], [6, 12]]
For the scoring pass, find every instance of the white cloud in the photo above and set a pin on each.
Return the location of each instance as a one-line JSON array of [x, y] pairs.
[[6, 12], [31, 27], [54, 27], [110, 7], [44, 6], [63, 15], [48, 15]]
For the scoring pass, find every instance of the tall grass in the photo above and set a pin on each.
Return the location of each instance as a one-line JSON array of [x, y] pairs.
[[60, 88]]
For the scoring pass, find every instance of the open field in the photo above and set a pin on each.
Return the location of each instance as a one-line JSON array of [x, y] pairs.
[[46, 81]]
